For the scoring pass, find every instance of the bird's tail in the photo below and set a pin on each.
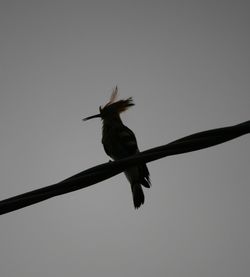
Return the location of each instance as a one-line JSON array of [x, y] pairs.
[[138, 195], [135, 179]]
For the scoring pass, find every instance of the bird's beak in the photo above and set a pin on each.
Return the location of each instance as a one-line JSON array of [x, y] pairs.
[[90, 117]]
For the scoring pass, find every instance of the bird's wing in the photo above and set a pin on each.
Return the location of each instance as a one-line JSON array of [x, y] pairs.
[[128, 140], [120, 143]]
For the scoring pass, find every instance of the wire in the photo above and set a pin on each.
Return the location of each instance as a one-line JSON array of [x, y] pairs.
[[104, 171]]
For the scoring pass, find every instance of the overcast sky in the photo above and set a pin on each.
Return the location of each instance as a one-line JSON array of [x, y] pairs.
[[187, 65]]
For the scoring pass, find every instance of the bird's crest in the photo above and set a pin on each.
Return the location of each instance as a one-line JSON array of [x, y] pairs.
[[113, 96], [121, 105], [112, 107]]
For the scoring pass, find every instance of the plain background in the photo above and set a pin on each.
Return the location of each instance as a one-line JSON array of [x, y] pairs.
[[186, 64]]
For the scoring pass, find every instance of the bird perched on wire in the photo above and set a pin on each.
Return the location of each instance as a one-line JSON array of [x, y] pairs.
[[120, 142]]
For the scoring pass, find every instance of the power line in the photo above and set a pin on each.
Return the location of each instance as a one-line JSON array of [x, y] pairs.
[[104, 171]]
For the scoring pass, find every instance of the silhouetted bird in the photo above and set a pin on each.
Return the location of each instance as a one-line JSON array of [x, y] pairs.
[[120, 142]]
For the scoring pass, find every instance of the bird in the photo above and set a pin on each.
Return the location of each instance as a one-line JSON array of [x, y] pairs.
[[120, 142]]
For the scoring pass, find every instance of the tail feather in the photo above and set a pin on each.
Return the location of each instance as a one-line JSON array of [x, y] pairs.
[[138, 195], [144, 176], [138, 176]]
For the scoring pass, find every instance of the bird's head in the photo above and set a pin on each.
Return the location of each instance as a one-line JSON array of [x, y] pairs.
[[113, 108]]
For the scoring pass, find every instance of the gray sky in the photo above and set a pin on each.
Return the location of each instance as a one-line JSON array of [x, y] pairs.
[[187, 65]]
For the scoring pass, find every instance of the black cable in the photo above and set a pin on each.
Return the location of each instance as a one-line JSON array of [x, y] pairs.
[[104, 171]]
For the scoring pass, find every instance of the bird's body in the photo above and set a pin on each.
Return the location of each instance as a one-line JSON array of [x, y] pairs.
[[120, 142]]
